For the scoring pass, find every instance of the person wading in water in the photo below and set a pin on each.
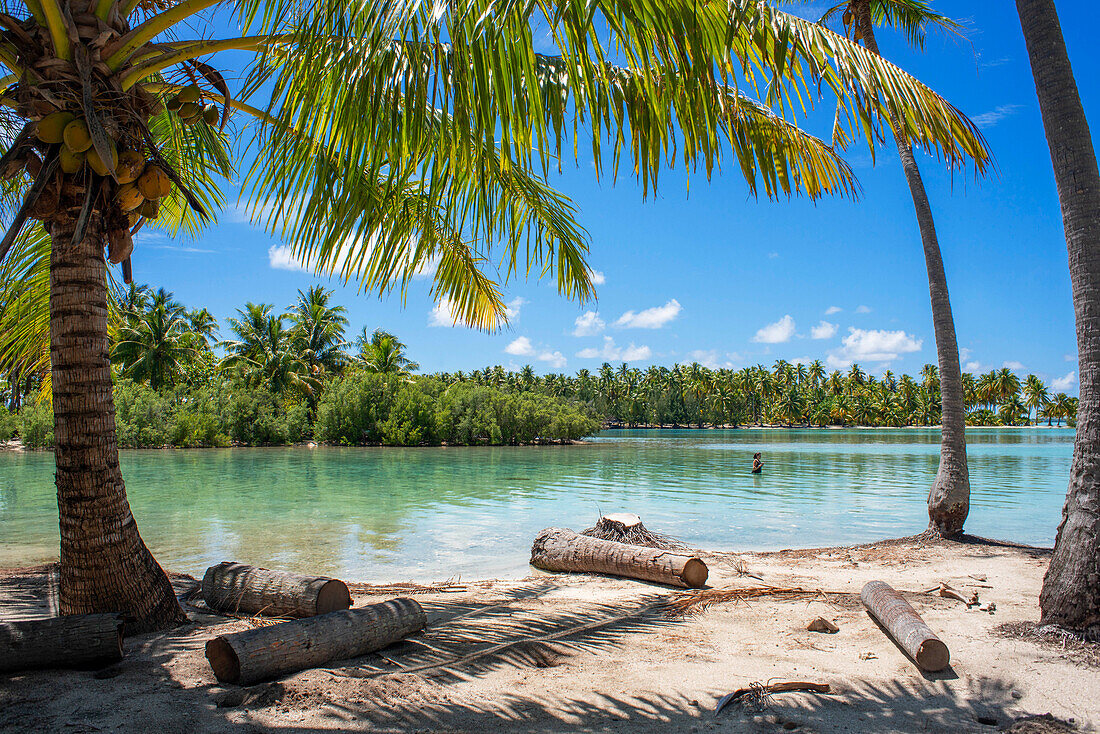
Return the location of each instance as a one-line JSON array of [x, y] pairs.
[[757, 464]]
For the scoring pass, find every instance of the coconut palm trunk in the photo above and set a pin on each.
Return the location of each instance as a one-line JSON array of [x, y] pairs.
[[1071, 588], [105, 565], [949, 497]]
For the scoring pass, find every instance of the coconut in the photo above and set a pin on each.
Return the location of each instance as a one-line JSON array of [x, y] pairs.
[[97, 164], [210, 114], [51, 128], [134, 217], [154, 182], [119, 244], [150, 209], [173, 103], [128, 197], [76, 136], [70, 162], [130, 165], [191, 94]]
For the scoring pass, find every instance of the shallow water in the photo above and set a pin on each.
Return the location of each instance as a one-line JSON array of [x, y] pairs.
[[389, 514]]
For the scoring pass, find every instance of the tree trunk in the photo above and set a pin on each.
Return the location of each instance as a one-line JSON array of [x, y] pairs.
[[235, 587], [105, 566], [949, 497], [905, 626], [1071, 588], [558, 549], [267, 652], [84, 641]]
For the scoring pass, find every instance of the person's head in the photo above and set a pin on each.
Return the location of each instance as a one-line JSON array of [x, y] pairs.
[[756, 455]]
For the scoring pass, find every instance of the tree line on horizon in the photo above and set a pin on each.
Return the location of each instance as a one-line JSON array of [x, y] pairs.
[[286, 362]]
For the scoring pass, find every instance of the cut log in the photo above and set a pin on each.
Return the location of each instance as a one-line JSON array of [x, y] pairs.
[[77, 641], [240, 589], [558, 549], [905, 626], [263, 653]]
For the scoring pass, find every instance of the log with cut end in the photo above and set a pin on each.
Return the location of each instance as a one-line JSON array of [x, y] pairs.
[[558, 549], [77, 641], [905, 626], [241, 589], [263, 653]]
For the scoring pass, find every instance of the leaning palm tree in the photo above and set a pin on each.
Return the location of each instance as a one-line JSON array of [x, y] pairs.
[[387, 137], [949, 496], [1071, 594]]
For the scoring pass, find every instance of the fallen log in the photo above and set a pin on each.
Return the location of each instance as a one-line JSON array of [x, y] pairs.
[[76, 641], [558, 549], [905, 626], [241, 589], [263, 653]]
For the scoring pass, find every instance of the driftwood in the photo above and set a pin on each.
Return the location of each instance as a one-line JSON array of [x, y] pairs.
[[237, 588], [77, 641], [905, 626], [267, 652], [558, 549], [759, 692], [626, 527]]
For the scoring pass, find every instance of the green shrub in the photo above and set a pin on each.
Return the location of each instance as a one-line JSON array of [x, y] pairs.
[[142, 415], [353, 409], [9, 424], [259, 418], [36, 424]]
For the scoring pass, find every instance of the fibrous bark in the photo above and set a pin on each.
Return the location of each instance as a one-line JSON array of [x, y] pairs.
[[79, 641], [949, 496], [238, 588], [263, 653], [105, 565], [905, 626], [1071, 589], [559, 549]]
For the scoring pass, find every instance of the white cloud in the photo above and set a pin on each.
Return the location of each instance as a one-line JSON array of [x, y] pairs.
[[651, 318], [1069, 357], [823, 330], [281, 258], [773, 255], [995, 115], [613, 353], [554, 359], [443, 314], [973, 366], [1062, 384], [863, 309], [872, 345], [598, 278], [709, 358], [776, 333], [513, 307], [588, 324], [1013, 365], [833, 309], [521, 347]]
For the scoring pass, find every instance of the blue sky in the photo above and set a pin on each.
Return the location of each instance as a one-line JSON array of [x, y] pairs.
[[719, 277]]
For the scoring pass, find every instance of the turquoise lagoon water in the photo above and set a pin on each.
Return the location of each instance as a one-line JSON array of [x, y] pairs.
[[387, 514]]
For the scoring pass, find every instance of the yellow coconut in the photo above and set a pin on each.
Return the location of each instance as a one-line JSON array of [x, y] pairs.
[[51, 128], [128, 197], [210, 114], [70, 162], [96, 162], [76, 136], [130, 165], [154, 183], [191, 94], [150, 209]]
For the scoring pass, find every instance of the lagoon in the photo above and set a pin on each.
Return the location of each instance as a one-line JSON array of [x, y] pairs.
[[392, 514]]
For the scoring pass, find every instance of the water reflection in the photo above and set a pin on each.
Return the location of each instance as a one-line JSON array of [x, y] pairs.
[[432, 513]]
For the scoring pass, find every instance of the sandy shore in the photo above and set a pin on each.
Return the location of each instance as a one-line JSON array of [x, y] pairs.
[[579, 653]]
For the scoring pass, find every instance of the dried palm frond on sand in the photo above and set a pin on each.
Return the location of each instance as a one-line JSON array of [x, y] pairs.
[[690, 603], [623, 527]]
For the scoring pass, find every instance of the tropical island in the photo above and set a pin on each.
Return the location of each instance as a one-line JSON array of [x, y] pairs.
[[937, 576]]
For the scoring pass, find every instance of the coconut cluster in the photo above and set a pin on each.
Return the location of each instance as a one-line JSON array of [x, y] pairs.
[[188, 105]]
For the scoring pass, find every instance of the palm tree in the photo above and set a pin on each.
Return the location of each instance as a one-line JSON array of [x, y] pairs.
[[383, 353], [153, 344], [1035, 396], [949, 496], [1071, 596], [318, 330], [390, 137], [264, 352], [203, 325]]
